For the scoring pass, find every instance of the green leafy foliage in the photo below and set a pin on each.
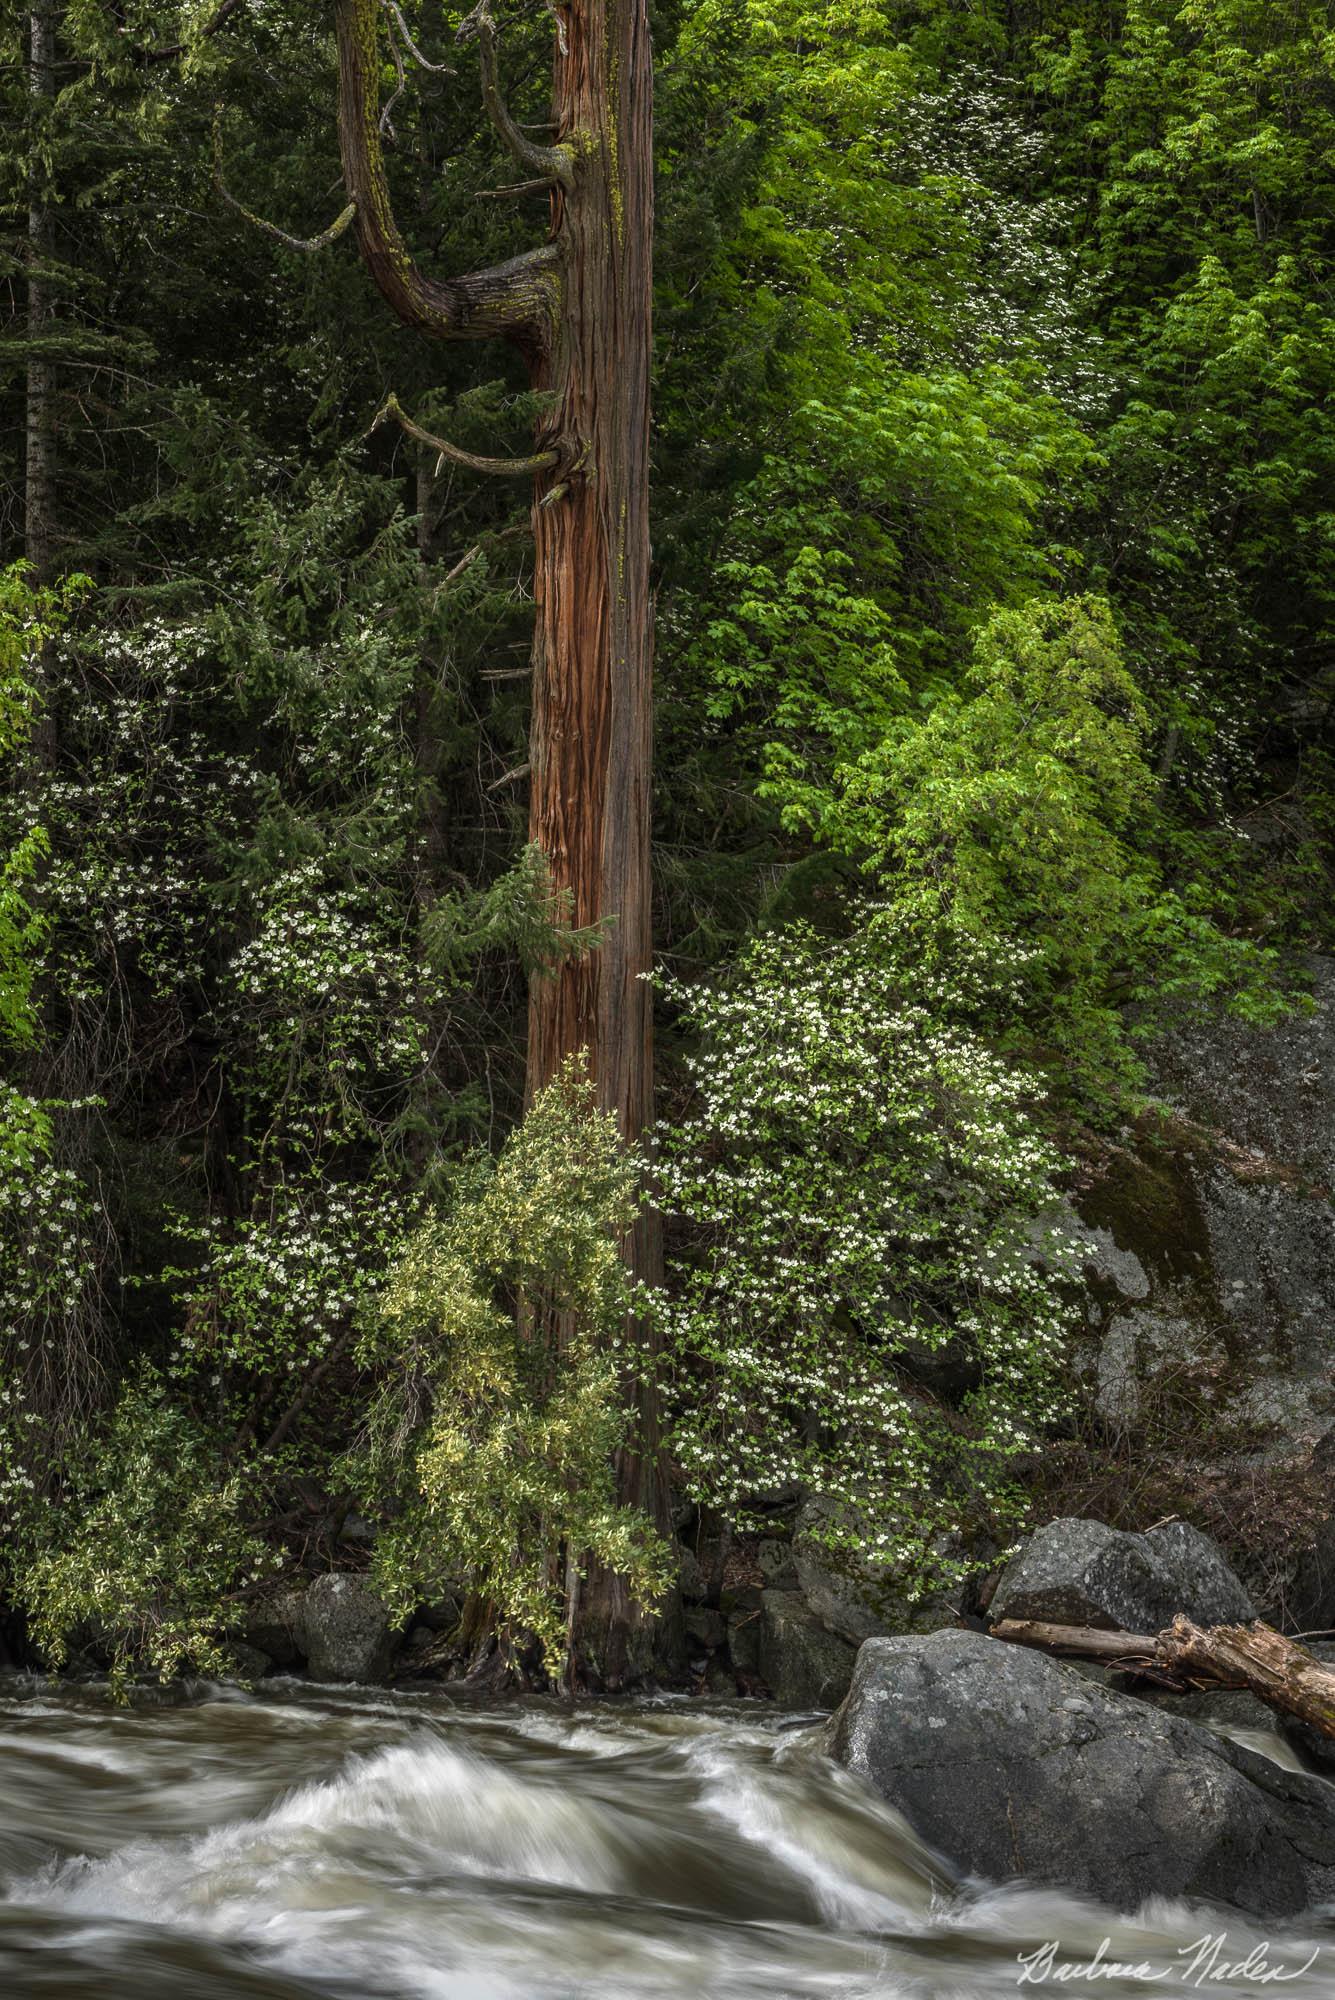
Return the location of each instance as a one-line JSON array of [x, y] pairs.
[[859, 1309], [500, 1339], [149, 1550], [1018, 815]]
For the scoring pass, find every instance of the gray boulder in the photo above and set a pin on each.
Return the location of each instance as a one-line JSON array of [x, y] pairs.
[[276, 1625], [705, 1628], [802, 1664], [744, 1639], [774, 1555], [1012, 1766], [1309, 1588], [1272, 1090], [690, 1577], [248, 1663], [1210, 1592], [348, 1635], [1077, 1572], [855, 1599], [1224, 1208]]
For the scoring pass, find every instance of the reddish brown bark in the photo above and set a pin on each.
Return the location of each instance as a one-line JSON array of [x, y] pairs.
[[593, 648], [591, 734], [579, 309]]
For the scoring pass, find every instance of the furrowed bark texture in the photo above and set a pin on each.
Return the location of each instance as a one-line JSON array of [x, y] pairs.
[[591, 738], [579, 310], [593, 649]]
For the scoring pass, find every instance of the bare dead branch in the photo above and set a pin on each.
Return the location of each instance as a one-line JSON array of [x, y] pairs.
[[306, 243], [518, 187], [509, 777], [552, 163], [500, 468], [396, 15], [386, 126]]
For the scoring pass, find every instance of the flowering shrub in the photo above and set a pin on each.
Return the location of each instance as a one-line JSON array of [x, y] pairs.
[[862, 1189], [149, 1545], [500, 1331], [269, 1297]]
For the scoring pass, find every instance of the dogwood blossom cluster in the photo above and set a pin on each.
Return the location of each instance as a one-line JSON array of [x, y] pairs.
[[274, 1293], [865, 1303], [138, 812], [328, 1001]]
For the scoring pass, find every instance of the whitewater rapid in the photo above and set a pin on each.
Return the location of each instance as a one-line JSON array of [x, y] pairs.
[[209, 1845]]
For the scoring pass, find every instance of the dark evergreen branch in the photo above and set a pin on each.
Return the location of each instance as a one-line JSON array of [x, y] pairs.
[[219, 19]]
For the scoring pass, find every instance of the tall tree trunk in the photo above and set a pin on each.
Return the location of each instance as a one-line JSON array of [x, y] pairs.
[[39, 481], [591, 723], [591, 730], [579, 310]]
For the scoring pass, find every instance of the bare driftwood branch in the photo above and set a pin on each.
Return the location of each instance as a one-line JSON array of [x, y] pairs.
[[1185, 1656], [552, 163], [1086, 1642], [501, 468], [306, 243]]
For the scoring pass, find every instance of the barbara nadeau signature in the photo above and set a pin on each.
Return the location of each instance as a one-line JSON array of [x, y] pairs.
[[1203, 1963]]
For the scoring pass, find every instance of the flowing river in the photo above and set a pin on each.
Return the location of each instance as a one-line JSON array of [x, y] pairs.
[[331, 1844]]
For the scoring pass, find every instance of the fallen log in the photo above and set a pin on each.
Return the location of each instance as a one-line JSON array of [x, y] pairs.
[[1187, 1657]]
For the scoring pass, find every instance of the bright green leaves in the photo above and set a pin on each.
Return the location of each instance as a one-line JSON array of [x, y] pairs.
[[853, 572], [893, 351], [1019, 814]]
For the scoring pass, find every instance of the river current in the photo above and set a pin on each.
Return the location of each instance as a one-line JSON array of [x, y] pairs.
[[304, 1844]]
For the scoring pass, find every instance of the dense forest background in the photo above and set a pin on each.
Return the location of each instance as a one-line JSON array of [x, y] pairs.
[[995, 560]]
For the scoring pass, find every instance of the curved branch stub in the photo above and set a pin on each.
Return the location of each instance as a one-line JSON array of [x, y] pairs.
[[307, 243], [393, 411], [518, 300]]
